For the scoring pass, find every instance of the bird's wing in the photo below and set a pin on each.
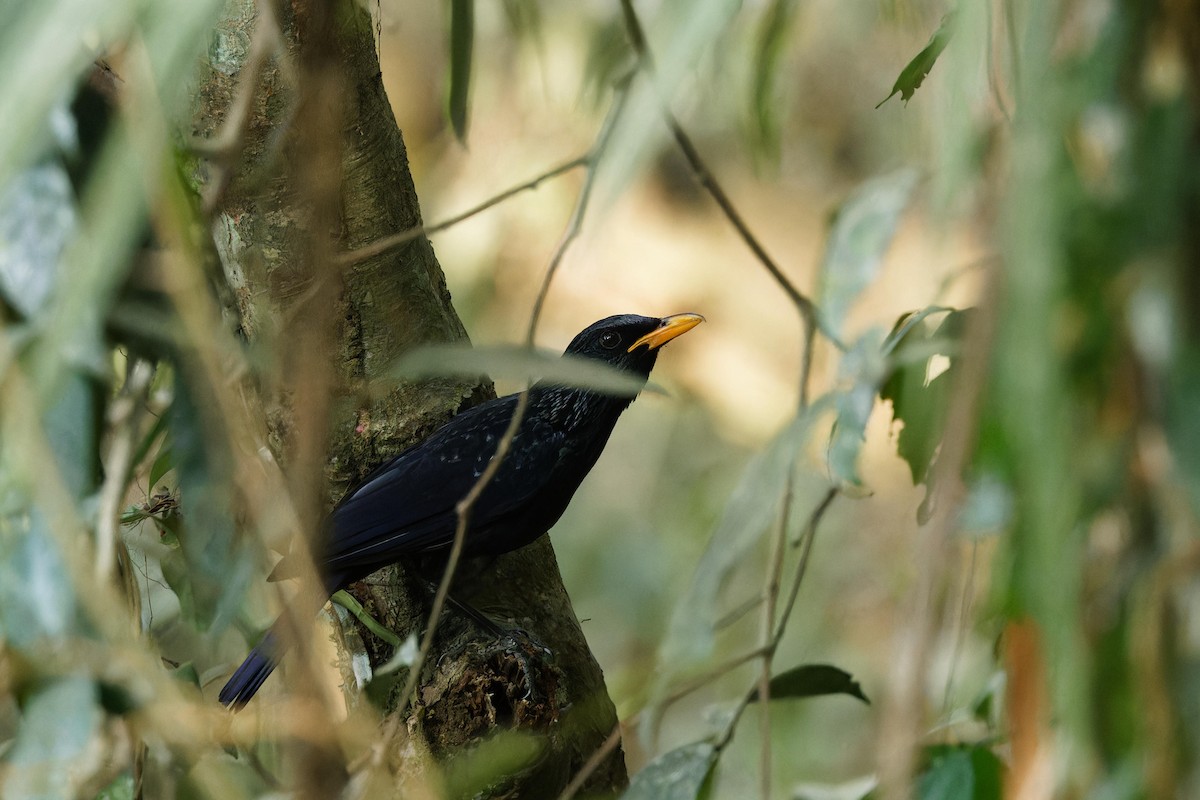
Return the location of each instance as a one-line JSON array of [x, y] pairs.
[[408, 506]]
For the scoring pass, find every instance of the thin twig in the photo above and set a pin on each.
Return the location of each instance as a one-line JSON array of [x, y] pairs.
[[124, 416], [704, 176], [810, 532], [380, 246], [742, 610], [814, 520], [719, 671], [770, 596]]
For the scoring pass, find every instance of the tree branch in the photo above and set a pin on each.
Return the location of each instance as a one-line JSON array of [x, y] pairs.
[[381, 246]]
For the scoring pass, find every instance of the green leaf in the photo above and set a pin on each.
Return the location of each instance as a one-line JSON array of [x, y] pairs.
[[913, 74], [677, 775], [961, 772], [859, 235], [462, 45], [514, 363], [950, 776], [812, 680]]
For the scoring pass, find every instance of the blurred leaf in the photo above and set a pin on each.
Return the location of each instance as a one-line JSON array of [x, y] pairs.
[[71, 424], [473, 771], [812, 680], [34, 44], [909, 321], [116, 699], [162, 465], [144, 445], [748, 514], [859, 235], [961, 772], [680, 34], [525, 20], [1182, 421], [677, 775], [950, 776], [58, 722], [462, 44], [988, 507], [214, 572], [915, 71], [404, 656], [37, 601], [515, 363], [608, 52], [46, 43], [862, 370], [772, 37], [37, 219], [186, 672]]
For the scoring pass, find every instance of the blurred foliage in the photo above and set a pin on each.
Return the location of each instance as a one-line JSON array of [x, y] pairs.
[[1082, 452]]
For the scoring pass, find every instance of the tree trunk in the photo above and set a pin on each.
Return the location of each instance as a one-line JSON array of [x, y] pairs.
[[277, 228]]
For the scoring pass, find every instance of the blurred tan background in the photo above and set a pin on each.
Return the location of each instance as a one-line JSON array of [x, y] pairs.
[[629, 542]]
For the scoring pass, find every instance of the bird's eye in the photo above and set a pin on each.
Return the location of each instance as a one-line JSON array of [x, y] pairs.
[[609, 340]]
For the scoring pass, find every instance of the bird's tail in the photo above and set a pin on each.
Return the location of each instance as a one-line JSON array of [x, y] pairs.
[[254, 670]]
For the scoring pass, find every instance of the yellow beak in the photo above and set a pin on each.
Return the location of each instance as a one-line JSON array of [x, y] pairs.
[[668, 329]]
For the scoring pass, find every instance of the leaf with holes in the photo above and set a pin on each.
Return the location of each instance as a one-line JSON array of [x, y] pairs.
[[919, 402]]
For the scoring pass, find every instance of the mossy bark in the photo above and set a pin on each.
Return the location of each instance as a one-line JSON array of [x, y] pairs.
[[264, 226]]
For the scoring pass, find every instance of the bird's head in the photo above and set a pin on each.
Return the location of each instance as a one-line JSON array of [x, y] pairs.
[[630, 342]]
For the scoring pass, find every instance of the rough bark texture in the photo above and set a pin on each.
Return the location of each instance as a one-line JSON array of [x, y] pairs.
[[263, 228]]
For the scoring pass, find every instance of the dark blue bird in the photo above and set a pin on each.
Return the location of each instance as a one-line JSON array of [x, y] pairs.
[[407, 507]]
